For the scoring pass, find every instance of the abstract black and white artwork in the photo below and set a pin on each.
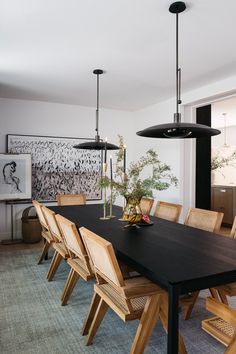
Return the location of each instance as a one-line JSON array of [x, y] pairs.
[[15, 176], [57, 167]]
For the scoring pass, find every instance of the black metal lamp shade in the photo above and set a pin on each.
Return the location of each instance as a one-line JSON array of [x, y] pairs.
[[178, 131], [96, 145]]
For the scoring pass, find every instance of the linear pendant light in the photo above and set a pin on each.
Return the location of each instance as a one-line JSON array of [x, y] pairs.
[[177, 129], [97, 144], [225, 140]]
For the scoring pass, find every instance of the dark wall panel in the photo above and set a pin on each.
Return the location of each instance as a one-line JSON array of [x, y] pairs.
[[203, 162]]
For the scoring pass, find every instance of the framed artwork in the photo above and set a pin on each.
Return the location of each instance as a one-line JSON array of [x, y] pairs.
[[57, 167], [15, 176]]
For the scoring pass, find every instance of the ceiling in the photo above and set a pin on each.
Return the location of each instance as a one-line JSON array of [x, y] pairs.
[[49, 49]]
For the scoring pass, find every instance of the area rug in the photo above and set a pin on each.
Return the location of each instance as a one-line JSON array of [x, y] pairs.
[[32, 321]]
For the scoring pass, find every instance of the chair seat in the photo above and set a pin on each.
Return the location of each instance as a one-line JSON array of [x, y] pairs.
[[114, 299], [61, 248], [219, 329], [47, 236], [78, 265]]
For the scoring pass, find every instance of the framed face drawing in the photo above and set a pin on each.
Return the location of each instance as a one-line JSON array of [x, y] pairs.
[[15, 176], [57, 167]]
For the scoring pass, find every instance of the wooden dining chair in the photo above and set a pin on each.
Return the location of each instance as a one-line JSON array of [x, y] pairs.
[[60, 250], [205, 220], [134, 298], [233, 230], [78, 259], [48, 239], [71, 199], [223, 325], [228, 289], [168, 211], [146, 204]]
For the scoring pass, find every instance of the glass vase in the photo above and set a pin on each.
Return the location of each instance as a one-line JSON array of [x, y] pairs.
[[132, 212]]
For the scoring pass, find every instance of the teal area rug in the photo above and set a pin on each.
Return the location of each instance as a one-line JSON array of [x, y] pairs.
[[32, 321]]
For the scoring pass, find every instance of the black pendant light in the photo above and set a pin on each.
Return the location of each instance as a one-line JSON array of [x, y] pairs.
[[97, 144], [177, 129]]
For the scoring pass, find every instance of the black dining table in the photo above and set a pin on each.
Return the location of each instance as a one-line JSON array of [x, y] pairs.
[[177, 257]]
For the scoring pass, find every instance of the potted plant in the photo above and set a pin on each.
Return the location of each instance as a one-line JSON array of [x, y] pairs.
[[218, 162], [130, 184]]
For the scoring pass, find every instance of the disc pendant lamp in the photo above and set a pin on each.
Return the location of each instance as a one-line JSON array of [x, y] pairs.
[[98, 143], [177, 129]]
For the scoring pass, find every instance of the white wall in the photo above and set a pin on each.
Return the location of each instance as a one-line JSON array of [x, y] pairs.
[[179, 154], [231, 137], [28, 117], [226, 175], [42, 118], [168, 150]]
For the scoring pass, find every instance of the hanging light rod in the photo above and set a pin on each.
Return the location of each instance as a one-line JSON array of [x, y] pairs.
[[98, 143], [225, 140], [177, 129]]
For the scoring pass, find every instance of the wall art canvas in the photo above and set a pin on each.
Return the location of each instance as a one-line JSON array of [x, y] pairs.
[[59, 168], [15, 176]]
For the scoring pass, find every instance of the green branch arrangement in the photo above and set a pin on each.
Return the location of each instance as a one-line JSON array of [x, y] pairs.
[[129, 183], [219, 162]]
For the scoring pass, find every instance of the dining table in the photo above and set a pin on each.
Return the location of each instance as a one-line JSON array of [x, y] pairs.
[[177, 257]]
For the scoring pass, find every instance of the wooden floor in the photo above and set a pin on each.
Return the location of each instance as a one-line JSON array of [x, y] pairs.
[[225, 231]]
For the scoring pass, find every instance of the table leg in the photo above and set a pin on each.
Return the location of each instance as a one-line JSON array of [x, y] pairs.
[[173, 320]]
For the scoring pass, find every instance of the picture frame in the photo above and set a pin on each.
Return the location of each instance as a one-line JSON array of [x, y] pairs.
[[15, 177], [59, 168]]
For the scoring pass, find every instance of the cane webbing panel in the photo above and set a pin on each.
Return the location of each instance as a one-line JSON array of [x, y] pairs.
[[219, 329]]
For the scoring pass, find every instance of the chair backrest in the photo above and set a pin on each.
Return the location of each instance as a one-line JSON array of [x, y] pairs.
[[204, 219], [233, 230], [52, 224], [71, 199], [38, 207], [103, 257], [71, 237], [146, 204], [168, 211]]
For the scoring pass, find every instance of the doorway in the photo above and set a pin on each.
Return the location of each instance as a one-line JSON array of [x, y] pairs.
[[215, 187]]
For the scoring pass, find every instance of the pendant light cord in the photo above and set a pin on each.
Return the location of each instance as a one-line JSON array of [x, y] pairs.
[[97, 109], [225, 130], [178, 71], [225, 133]]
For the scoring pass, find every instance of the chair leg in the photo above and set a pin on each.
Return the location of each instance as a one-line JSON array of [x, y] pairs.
[[56, 260], [147, 323], [164, 321], [99, 315], [90, 316], [69, 286], [189, 306], [46, 247], [214, 293], [231, 347], [223, 297]]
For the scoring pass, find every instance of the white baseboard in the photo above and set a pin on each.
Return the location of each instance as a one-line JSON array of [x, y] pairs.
[[7, 236]]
